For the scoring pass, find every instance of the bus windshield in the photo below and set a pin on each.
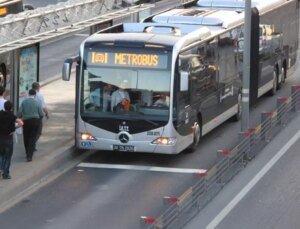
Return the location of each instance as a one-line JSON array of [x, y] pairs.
[[126, 84]]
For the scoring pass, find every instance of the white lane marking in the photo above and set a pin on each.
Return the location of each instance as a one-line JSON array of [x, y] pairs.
[[215, 222], [140, 168]]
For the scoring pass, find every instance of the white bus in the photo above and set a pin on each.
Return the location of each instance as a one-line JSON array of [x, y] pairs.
[[159, 86]]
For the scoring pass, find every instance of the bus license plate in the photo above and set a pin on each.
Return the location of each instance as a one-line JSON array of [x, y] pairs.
[[123, 148]]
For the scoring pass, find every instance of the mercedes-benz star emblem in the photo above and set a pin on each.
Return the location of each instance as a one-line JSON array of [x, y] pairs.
[[124, 138]]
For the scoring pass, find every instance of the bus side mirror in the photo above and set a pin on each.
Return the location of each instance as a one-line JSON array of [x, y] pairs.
[[184, 81], [66, 71]]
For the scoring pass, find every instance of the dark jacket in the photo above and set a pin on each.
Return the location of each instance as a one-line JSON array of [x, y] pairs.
[[8, 124]]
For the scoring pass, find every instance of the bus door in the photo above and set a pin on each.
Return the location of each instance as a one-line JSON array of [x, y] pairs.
[[266, 56], [182, 98], [184, 113]]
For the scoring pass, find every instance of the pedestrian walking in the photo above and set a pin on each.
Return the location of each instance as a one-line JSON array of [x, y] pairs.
[[9, 122], [40, 98], [2, 100], [31, 113]]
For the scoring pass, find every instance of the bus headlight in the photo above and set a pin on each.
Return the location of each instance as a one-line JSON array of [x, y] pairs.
[[164, 141], [87, 136]]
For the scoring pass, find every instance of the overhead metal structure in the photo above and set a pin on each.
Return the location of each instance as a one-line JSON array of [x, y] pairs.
[[31, 22], [29, 27]]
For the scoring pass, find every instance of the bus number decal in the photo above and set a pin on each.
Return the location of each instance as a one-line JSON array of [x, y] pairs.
[[153, 133]]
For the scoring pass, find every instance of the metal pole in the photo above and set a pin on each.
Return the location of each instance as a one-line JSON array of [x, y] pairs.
[[246, 68], [15, 78]]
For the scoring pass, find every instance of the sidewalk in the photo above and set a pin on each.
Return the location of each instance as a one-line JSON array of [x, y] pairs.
[[55, 148]]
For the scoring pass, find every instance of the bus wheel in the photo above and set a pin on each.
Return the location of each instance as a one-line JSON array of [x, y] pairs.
[[274, 88], [280, 79], [1, 79], [2, 76], [238, 115], [197, 136]]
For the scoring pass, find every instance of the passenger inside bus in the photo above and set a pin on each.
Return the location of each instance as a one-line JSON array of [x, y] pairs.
[[162, 101], [120, 100], [107, 91], [95, 98], [146, 98]]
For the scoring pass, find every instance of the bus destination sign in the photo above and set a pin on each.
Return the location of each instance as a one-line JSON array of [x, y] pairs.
[[135, 60]]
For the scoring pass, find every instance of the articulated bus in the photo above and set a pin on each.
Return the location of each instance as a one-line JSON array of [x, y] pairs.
[[160, 85]]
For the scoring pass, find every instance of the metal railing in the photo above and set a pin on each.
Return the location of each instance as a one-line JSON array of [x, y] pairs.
[[179, 210], [41, 24], [68, 29], [31, 22]]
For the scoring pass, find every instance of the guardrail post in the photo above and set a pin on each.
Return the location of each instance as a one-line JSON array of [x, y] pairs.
[[199, 189], [266, 122], [282, 110], [295, 94], [171, 215], [223, 166], [244, 145], [147, 222], [252, 143]]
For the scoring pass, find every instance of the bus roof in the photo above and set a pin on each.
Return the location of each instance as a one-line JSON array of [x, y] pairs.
[[261, 5], [171, 27], [152, 35], [198, 16], [136, 39]]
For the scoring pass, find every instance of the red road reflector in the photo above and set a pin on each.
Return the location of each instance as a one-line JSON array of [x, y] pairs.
[[283, 100], [267, 113], [245, 134], [252, 129], [148, 220], [172, 199], [224, 152], [296, 86], [203, 174]]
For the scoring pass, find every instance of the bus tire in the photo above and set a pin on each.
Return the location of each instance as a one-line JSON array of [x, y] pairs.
[[197, 133], [281, 79], [238, 115], [274, 88], [3, 75]]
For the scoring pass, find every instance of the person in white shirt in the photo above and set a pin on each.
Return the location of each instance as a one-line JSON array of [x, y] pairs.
[[163, 101], [107, 97], [95, 97], [2, 100], [119, 96]]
